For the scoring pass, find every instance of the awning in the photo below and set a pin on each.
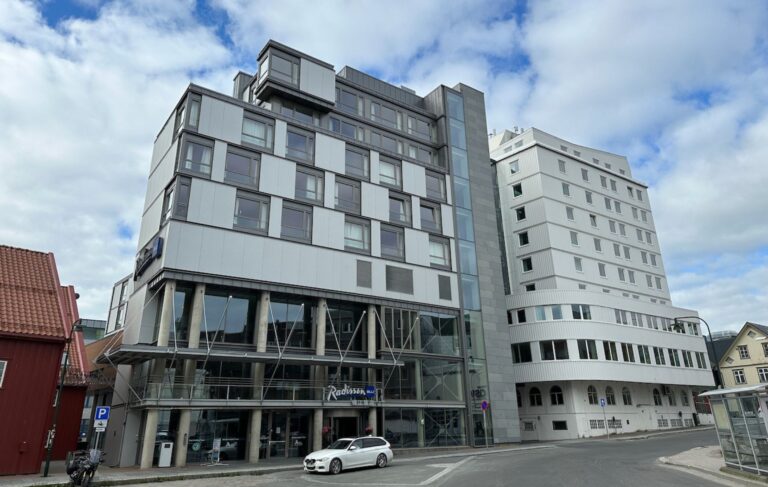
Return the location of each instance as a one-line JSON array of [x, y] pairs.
[[735, 390], [135, 354]]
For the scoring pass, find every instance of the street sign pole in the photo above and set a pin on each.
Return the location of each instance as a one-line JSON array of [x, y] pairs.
[[484, 407], [605, 419]]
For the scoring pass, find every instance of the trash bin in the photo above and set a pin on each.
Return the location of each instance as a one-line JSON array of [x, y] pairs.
[[166, 454]]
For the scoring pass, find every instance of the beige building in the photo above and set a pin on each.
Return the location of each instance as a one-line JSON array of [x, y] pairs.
[[745, 362]]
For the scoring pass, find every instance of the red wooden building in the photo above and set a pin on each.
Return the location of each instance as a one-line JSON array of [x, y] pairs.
[[36, 317]]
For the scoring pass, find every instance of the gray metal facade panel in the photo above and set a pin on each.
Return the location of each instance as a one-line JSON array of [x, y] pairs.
[[506, 425]]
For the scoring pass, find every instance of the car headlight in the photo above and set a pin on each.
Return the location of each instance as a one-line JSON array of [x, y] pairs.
[[322, 459]]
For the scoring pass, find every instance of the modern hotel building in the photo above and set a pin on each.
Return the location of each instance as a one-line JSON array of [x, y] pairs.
[[318, 257], [595, 348]]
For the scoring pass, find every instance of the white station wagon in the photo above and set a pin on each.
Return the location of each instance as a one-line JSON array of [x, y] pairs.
[[347, 453]]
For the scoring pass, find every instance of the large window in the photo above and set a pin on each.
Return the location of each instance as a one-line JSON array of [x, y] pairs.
[[592, 395], [656, 398], [392, 242], [347, 195], [419, 128], [554, 349], [386, 143], [628, 351], [284, 67], [309, 185], [386, 115], [197, 156], [581, 312], [298, 112], [399, 209], [346, 129], [299, 145], [439, 252], [296, 222], [534, 396], [349, 101], [609, 350], [257, 132], [626, 396], [587, 350], [176, 200], [430, 217], [357, 162], [251, 212], [390, 172], [521, 353], [739, 377], [610, 397], [242, 167], [357, 235], [229, 317], [435, 186]]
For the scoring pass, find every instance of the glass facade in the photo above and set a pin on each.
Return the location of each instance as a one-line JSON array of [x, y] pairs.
[[741, 428]]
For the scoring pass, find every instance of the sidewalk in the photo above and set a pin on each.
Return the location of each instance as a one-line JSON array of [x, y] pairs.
[[133, 475], [709, 460]]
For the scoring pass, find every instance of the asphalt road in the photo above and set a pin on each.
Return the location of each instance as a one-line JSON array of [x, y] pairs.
[[592, 463]]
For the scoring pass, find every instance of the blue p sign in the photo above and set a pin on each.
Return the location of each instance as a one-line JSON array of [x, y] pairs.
[[102, 412], [602, 402]]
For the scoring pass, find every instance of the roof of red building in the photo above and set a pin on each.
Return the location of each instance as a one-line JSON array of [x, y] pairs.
[[33, 304]]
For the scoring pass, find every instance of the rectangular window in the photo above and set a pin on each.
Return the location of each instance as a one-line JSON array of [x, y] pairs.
[[765, 349], [569, 213], [631, 276], [644, 354], [554, 350], [296, 222], [399, 280], [251, 212], [522, 238], [520, 213], [521, 353], [298, 112], [587, 350], [242, 167], [617, 250], [346, 129], [653, 260], [517, 190], [299, 145], [658, 355], [604, 182], [347, 195], [386, 115], [674, 358], [644, 256], [687, 360], [762, 374], [739, 377], [621, 316], [561, 166], [598, 245], [420, 154], [617, 206], [284, 68], [585, 175], [439, 252], [648, 238], [557, 312], [559, 425], [612, 226], [609, 350], [621, 274], [399, 209], [658, 283], [430, 217], [588, 196], [593, 220], [527, 264], [581, 312], [390, 172], [435, 186], [540, 313], [622, 230], [577, 264], [514, 167], [566, 189], [357, 235], [419, 128], [627, 254], [3, 368], [530, 287], [628, 351], [197, 156], [613, 185], [743, 352], [574, 238], [392, 242], [349, 102], [309, 185], [639, 195], [601, 269], [257, 132], [521, 316], [608, 204], [644, 216], [357, 162]]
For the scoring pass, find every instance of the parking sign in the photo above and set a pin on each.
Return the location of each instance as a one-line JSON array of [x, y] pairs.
[[101, 413]]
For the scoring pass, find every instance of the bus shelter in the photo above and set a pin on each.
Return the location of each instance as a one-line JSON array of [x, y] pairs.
[[740, 421]]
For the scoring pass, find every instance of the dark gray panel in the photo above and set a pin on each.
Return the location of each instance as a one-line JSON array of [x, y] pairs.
[[444, 287], [363, 273], [399, 280]]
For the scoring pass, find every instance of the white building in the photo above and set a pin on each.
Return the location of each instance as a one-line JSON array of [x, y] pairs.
[[588, 305]]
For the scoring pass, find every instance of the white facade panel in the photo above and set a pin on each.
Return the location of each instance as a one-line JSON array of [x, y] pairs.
[[328, 228], [329, 199], [446, 214], [416, 212], [281, 134], [330, 153], [150, 222], [161, 176], [317, 80], [375, 201], [221, 120], [375, 238], [211, 203], [414, 179], [278, 176], [374, 173], [275, 216], [219, 161], [416, 247], [162, 142]]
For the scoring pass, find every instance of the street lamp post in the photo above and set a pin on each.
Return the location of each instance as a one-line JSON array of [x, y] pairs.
[[679, 326], [76, 326]]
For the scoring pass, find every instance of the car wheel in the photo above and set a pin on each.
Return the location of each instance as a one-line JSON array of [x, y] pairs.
[[335, 467], [381, 460]]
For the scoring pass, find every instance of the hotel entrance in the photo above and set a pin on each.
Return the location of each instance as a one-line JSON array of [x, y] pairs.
[[341, 423], [284, 434]]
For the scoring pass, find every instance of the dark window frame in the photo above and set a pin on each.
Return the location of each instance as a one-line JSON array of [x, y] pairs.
[[307, 210], [254, 197], [319, 176]]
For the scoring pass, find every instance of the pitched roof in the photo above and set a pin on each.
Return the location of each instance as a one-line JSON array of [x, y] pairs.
[[30, 300]]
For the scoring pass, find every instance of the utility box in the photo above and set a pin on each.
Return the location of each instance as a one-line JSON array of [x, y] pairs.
[[166, 454]]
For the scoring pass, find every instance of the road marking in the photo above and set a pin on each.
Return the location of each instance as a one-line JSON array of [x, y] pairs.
[[445, 471]]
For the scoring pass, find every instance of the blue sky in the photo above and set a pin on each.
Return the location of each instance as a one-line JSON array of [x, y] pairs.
[[680, 88]]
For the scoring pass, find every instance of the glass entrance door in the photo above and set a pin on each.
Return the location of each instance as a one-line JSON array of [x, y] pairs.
[[284, 434], [278, 434]]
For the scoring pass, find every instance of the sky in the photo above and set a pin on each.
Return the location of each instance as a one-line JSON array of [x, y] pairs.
[[679, 87]]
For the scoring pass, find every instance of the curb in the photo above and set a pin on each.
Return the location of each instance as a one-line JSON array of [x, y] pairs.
[[724, 473], [664, 433]]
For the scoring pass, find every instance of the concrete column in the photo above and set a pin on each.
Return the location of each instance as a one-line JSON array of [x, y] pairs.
[[317, 430], [372, 421], [320, 371], [420, 425], [419, 395], [166, 318], [371, 348], [190, 368], [150, 432], [257, 371]]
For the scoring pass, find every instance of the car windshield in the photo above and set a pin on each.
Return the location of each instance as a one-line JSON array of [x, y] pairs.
[[339, 445]]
